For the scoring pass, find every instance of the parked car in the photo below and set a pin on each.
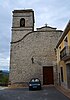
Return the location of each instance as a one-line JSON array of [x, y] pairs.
[[34, 84]]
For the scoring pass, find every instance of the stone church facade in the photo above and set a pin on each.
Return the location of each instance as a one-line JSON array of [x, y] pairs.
[[32, 52]]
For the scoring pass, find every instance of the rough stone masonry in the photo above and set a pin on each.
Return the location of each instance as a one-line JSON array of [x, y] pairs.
[[32, 51]]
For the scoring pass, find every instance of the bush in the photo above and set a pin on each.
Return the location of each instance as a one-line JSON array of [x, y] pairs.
[[4, 79]]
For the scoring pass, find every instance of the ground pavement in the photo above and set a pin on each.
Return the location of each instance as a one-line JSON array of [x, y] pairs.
[[47, 93]]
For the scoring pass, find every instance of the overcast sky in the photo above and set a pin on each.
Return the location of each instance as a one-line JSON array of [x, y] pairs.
[[55, 13]]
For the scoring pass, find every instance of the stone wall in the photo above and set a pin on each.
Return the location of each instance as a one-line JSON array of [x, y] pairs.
[[37, 45], [31, 50]]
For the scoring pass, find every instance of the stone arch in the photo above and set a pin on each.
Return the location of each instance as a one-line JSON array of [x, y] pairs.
[[22, 22]]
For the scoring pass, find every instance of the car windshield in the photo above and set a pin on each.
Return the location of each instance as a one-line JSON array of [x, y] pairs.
[[35, 80]]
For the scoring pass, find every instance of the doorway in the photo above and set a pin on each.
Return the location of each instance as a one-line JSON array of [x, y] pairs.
[[48, 75]]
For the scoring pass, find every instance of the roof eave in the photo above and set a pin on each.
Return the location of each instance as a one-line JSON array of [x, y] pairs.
[[63, 34]]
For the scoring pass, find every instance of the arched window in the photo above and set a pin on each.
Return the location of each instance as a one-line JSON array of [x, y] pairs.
[[22, 22]]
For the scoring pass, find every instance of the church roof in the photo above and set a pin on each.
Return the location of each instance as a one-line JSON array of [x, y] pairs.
[[46, 28]]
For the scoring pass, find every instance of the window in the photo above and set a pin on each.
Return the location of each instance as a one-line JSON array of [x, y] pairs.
[[62, 74], [22, 22]]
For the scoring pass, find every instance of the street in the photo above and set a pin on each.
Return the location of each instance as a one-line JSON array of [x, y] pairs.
[[47, 93]]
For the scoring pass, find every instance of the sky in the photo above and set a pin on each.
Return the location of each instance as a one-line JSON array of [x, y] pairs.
[[55, 13]]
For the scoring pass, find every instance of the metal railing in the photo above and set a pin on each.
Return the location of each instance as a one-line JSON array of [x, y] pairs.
[[65, 52]]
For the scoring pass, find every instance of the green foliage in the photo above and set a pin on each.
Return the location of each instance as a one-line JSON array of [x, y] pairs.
[[4, 79]]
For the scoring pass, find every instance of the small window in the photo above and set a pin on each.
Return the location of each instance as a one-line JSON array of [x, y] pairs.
[[22, 22]]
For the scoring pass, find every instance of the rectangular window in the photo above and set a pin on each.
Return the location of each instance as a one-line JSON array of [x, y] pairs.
[[62, 74]]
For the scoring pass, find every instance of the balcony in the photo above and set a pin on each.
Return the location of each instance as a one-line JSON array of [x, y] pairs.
[[65, 53]]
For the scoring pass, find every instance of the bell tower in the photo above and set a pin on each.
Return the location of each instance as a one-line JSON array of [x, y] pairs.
[[22, 23]]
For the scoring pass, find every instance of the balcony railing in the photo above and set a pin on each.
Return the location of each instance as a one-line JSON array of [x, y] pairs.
[[65, 53]]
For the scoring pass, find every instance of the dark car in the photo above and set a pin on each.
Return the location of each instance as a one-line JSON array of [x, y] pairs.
[[34, 84]]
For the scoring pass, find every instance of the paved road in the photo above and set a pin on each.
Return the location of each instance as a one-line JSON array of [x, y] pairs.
[[48, 93]]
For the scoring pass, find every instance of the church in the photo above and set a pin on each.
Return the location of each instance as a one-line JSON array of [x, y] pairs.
[[32, 53]]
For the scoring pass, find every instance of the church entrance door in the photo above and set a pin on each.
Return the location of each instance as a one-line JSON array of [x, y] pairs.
[[48, 75]]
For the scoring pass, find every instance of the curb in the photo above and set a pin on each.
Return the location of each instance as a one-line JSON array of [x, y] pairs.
[[63, 90]]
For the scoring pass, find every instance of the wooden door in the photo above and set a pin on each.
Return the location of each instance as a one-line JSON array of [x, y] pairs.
[[48, 75]]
